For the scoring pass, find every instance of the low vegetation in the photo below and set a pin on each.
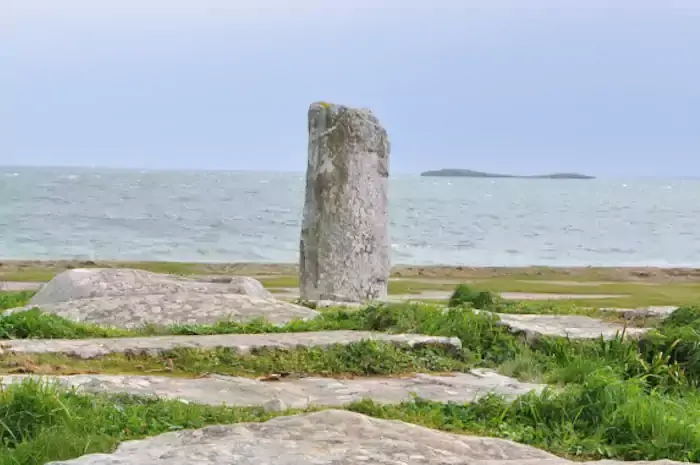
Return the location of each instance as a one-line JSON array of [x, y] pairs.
[[620, 398], [670, 354], [364, 358], [602, 417], [14, 299]]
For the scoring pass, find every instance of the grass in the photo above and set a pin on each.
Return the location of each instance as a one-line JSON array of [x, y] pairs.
[[14, 299], [41, 423], [665, 289], [620, 398], [364, 358], [630, 294], [485, 343], [603, 417]]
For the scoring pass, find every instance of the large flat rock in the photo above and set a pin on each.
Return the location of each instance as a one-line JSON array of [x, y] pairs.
[[330, 437], [167, 309], [297, 393], [242, 343], [293, 293], [663, 311], [86, 283], [571, 326], [15, 286]]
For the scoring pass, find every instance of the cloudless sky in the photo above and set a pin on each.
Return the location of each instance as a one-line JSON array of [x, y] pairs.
[[606, 87]]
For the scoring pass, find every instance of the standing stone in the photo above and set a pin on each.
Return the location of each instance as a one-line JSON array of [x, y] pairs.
[[344, 250]]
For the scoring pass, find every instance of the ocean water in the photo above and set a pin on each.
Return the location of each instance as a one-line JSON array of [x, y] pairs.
[[100, 214]]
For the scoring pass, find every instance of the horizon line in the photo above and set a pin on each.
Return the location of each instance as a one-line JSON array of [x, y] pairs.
[[232, 170]]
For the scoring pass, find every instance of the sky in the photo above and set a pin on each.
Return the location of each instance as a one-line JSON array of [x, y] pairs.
[[603, 87]]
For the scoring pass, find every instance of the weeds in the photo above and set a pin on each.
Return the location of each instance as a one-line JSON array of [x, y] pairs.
[[14, 299], [465, 295], [364, 358], [40, 423], [603, 417]]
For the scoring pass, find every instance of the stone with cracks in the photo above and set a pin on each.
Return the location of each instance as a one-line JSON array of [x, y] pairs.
[[241, 343], [132, 312], [127, 298], [85, 283], [568, 326], [296, 392], [344, 248], [331, 437]]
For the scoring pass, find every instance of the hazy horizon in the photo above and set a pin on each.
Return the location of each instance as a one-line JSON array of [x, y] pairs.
[[302, 172], [503, 86]]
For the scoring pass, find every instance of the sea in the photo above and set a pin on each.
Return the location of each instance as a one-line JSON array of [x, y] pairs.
[[220, 216]]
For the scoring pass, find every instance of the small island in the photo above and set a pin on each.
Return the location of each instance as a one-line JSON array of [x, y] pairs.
[[459, 173]]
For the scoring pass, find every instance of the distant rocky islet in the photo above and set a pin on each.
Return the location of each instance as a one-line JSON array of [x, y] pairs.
[[462, 173]]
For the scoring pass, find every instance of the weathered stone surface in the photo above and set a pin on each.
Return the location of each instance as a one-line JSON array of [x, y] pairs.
[[337, 304], [553, 296], [168, 309], [128, 298], [330, 437], [643, 312], [297, 393], [85, 283], [248, 286], [571, 326], [344, 248], [14, 286], [243, 343], [292, 293]]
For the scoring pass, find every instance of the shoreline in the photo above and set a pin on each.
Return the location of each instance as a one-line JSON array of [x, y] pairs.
[[10, 268]]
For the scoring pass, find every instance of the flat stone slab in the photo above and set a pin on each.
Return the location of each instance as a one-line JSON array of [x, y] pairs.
[[643, 312], [167, 309], [552, 296], [16, 286], [87, 283], [296, 393], [242, 343], [292, 293], [571, 326], [330, 437]]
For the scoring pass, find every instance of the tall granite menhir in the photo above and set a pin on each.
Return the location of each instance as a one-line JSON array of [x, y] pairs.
[[344, 250]]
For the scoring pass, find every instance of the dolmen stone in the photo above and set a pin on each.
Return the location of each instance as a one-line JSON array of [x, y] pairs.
[[329, 437], [127, 298], [344, 247]]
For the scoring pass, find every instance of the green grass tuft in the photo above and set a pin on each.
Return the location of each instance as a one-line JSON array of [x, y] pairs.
[[14, 299]]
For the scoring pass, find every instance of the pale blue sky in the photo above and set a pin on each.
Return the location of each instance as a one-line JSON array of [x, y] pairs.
[[607, 87]]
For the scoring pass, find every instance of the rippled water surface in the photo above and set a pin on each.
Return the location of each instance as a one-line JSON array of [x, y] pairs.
[[229, 216]]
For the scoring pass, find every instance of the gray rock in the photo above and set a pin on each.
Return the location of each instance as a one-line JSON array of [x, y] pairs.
[[248, 286], [14, 286], [128, 298], [330, 437], [344, 248], [138, 310], [242, 343], [571, 326], [86, 283], [643, 312], [296, 393], [335, 304]]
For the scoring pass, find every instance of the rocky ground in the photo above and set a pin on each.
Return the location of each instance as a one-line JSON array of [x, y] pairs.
[[173, 326]]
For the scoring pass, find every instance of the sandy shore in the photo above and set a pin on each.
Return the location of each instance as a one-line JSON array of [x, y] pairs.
[[9, 268]]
